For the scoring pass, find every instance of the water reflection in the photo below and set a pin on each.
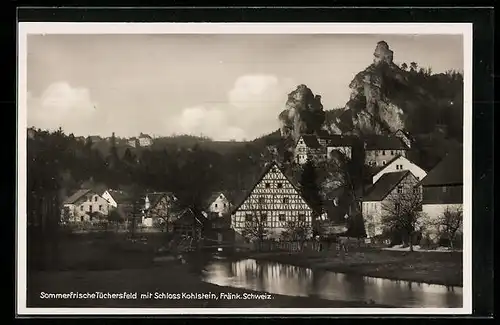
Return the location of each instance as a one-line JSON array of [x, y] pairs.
[[297, 281]]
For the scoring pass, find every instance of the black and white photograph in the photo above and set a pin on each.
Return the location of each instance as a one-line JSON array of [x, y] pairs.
[[201, 168]]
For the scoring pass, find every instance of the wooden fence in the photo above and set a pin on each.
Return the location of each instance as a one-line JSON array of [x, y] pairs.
[[343, 243]]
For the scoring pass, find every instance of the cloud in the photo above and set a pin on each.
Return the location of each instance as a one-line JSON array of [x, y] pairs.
[[62, 105], [252, 109], [211, 122]]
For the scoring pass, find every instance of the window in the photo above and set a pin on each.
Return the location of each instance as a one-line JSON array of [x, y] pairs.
[[100, 208], [268, 185], [225, 205], [81, 207], [302, 217], [95, 198], [384, 162], [392, 152], [90, 208], [263, 217], [400, 189], [279, 185], [383, 152], [282, 217], [262, 199], [285, 200], [215, 204], [416, 190]]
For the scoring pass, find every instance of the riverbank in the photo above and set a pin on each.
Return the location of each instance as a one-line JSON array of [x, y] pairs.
[[421, 267], [173, 278]]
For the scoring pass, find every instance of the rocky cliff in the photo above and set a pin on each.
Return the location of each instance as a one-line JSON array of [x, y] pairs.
[[386, 97]]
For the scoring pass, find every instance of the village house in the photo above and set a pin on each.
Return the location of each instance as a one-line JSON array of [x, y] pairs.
[[307, 148], [188, 223], [159, 209], [119, 201], [384, 193], [218, 204], [379, 149], [271, 204], [132, 142], [85, 205], [399, 163], [145, 140], [94, 138], [443, 189]]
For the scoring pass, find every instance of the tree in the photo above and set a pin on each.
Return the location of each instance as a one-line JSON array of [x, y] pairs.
[[255, 228], [413, 66], [164, 213], [449, 224], [298, 230], [115, 217], [311, 191], [404, 66], [401, 213]]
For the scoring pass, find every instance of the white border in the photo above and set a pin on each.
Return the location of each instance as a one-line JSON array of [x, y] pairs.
[[464, 29]]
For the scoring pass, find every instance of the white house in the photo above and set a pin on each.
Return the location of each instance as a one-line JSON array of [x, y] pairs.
[[397, 164], [145, 140], [382, 194], [218, 203], [132, 142], [271, 204], [307, 148], [380, 149], [85, 204]]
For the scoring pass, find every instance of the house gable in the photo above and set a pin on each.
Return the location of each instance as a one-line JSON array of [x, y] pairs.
[[397, 164], [276, 196]]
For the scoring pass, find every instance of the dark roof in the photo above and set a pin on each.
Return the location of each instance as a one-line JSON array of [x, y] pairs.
[[187, 216], [155, 197], [143, 135], [339, 140], [76, 196], [311, 141], [387, 142], [447, 172], [120, 197], [385, 184], [264, 173]]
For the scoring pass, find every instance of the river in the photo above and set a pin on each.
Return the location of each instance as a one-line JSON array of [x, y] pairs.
[[291, 280]]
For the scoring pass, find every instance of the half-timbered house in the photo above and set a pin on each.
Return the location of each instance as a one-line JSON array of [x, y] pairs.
[[271, 205]]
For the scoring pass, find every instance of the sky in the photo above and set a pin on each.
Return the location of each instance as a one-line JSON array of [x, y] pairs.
[[227, 87]]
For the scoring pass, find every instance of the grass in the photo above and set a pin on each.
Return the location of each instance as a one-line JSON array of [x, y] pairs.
[[424, 267]]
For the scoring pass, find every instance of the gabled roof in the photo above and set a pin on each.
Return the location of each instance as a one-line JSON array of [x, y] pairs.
[[76, 196], [259, 179], [385, 184], [187, 215], [120, 197], [311, 141], [143, 135], [213, 196], [447, 172], [155, 197], [406, 133], [384, 142]]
